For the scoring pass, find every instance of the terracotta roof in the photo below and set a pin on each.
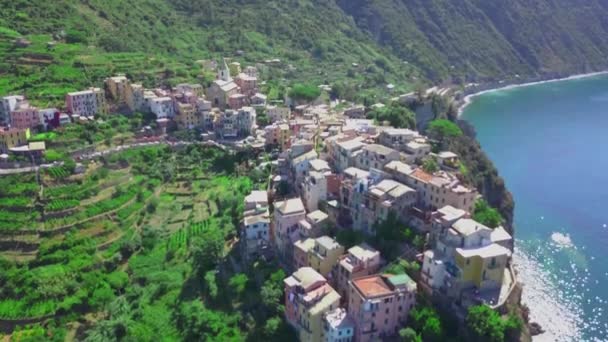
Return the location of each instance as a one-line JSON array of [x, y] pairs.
[[421, 175], [373, 286]]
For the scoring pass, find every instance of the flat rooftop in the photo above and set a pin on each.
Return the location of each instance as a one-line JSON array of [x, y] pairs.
[[290, 206], [372, 286]]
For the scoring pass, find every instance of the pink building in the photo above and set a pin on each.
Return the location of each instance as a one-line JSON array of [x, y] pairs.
[[247, 83], [361, 260], [25, 116], [380, 304], [287, 215], [238, 101]]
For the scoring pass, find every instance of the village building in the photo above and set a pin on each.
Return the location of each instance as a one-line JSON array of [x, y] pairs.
[[278, 135], [25, 116], [375, 156], [397, 138], [9, 104], [343, 152], [339, 326], [248, 84], [50, 118], [321, 254], [361, 260], [276, 114], [308, 297], [222, 88], [86, 103], [380, 305], [13, 137], [287, 215], [163, 107], [469, 262], [188, 117], [381, 199]]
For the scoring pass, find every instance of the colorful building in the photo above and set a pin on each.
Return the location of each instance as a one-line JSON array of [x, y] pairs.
[[380, 304], [86, 103], [13, 137], [308, 297], [321, 254], [286, 231], [338, 326], [25, 116], [361, 260]]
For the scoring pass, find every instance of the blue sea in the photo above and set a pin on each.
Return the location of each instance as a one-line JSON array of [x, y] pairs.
[[550, 143]]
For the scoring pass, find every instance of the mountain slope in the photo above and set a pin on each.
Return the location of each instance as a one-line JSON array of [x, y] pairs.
[[358, 45], [489, 39]]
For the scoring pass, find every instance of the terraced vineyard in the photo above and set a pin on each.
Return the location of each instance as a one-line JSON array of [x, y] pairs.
[[73, 245]]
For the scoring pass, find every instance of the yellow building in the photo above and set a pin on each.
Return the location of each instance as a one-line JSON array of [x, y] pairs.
[[13, 137], [187, 117], [324, 255], [308, 297], [284, 137], [482, 267]]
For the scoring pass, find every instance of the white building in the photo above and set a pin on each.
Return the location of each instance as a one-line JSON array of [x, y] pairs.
[[246, 123], [275, 113], [375, 156], [9, 104], [338, 326], [162, 107], [314, 190]]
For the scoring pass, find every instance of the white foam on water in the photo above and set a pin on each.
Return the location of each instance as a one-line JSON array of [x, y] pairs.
[[562, 240], [558, 316]]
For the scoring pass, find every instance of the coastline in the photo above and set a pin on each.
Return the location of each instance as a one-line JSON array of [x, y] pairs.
[[468, 99]]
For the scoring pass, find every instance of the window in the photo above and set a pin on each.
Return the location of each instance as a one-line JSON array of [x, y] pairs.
[[400, 308], [387, 311], [386, 321]]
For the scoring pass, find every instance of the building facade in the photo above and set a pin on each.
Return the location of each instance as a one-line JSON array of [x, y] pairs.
[[308, 297], [380, 304]]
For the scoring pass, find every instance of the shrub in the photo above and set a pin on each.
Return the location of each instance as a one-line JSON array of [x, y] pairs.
[[444, 129]]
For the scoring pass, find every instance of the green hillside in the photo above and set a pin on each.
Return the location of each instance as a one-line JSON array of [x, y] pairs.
[[489, 39], [386, 39], [157, 41], [358, 46]]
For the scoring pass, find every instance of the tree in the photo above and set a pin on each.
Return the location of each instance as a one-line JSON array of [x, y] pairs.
[[487, 215], [304, 92], [390, 235], [442, 129], [207, 249], [211, 284], [73, 36], [271, 292], [197, 323], [409, 335], [395, 114], [272, 326], [485, 324], [430, 165], [426, 321], [238, 282]]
